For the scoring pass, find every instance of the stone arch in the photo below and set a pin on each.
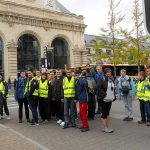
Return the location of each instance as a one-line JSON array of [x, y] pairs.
[[61, 51], [31, 33], [28, 52], [3, 37]]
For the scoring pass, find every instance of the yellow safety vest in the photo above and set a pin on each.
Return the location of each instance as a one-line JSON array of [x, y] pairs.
[[147, 91], [2, 88], [27, 88], [43, 89], [69, 87], [140, 90]]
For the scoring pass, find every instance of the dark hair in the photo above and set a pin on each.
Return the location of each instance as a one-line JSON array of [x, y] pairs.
[[31, 70], [107, 70]]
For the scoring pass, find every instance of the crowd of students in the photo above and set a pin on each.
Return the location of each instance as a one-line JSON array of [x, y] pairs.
[[55, 94]]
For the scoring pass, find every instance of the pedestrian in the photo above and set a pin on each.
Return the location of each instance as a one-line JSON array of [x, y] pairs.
[[57, 96], [91, 96], [99, 75], [147, 95], [20, 97], [31, 92], [140, 96], [4, 95], [9, 83], [106, 93], [126, 93], [52, 104], [69, 99], [43, 97], [82, 97]]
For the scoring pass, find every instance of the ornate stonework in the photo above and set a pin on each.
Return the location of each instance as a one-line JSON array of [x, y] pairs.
[[46, 20]]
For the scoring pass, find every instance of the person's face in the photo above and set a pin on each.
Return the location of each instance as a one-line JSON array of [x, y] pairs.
[[108, 74], [23, 74], [51, 76], [43, 77], [38, 73], [140, 76], [1, 78], [99, 69], [30, 74], [148, 72], [69, 73], [58, 73], [122, 73]]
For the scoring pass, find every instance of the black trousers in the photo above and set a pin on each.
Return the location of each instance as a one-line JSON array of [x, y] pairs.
[[59, 109], [91, 106], [4, 105], [43, 108], [142, 110], [22, 102]]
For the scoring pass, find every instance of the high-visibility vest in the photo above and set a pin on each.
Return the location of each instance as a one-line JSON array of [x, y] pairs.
[[2, 88], [140, 90], [27, 88], [43, 89], [147, 91], [69, 87]]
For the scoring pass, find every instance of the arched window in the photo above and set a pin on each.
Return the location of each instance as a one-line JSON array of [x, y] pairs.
[[28, 52]]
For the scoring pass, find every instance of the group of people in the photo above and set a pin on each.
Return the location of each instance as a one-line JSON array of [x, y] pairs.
[[55, 94]]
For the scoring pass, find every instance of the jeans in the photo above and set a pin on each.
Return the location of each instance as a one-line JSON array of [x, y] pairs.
[[33, 103], [128, 106], [147, 110], [142, 110], [69, 111], [22, 102]]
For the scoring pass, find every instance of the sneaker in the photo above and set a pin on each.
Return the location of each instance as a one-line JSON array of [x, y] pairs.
[[20, 121], [8, 117], [33, 124], [73, 125], [130, 119], [148, 123], [65, 126], [107, 130], [59, 121], [126, 119], [62, 124], [28, 120], [37, 124], [84, 129], [141, 122]]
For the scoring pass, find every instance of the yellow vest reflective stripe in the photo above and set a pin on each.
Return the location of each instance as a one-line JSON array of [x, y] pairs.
[[43, 89], [140, 90], [28, 85], [147, 91], [2, 88], [69, 87]]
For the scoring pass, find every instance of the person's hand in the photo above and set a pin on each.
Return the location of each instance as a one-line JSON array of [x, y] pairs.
[[62, 100], [75, 101], [53, 99]]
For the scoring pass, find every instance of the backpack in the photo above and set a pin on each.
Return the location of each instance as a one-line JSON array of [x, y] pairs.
[[91, 85], [126, 89]]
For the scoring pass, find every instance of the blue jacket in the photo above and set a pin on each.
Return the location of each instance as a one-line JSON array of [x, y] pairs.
[[81, 89], [98, 76], [20, 87], [130, 85]]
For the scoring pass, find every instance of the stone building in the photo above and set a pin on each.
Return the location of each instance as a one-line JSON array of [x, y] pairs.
[[27, 26]]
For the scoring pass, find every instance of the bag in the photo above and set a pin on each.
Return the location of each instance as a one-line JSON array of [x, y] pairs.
[[125, 89], [90, 86]]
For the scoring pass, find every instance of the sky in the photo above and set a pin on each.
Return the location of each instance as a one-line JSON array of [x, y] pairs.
[[96, 13]]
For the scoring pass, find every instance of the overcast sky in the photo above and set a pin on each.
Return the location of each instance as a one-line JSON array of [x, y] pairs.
[[96, 12]]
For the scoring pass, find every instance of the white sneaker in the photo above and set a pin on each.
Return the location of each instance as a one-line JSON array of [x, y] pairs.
[[8, 117], [59, 121], [62, 124]]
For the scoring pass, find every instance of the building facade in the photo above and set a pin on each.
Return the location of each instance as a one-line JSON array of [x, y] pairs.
[[27, 26]]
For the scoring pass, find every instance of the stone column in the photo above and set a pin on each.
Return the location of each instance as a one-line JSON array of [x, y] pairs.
[[84, 54], [77, 57], [12, 60]]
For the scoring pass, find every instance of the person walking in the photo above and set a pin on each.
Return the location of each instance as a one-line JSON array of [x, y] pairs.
[[106, 92], [69, 99], [126, 92], [20, 97], [82, 97]]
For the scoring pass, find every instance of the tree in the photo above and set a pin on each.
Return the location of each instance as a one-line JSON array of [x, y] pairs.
[[109, 37], [136, 37]]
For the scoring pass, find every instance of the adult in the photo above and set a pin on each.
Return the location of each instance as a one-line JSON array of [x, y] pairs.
[[106, 93], [20, 97], [126, 92], [69, 99]]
